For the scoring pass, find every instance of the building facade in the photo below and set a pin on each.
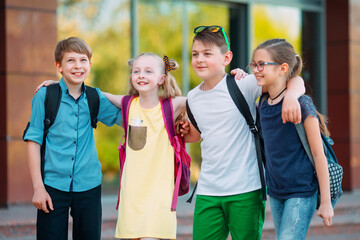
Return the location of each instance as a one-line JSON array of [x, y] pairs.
[[330, 39]]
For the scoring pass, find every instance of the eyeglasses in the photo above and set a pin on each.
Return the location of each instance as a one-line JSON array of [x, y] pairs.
[[260, 66], [213, 29]]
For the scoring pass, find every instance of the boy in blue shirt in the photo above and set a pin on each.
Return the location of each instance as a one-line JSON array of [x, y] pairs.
[[72, 171]]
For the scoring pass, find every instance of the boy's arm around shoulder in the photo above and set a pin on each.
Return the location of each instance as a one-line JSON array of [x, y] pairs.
[[291, 111], [114, 99], [190, 133], [110, 108], [178, 105]]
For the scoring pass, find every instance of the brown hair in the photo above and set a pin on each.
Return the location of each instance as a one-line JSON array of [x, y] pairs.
[[323, 120], [72, 44], [281, 52], [169, 88], [209, 38]]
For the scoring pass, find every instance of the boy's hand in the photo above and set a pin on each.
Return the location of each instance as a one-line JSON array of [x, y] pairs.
[[326, 212], [239, 73], [185, 128], [42, 200], [291, 111], [45, 84]]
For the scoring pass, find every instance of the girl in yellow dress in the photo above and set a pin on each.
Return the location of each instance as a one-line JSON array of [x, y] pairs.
[[147, 182]]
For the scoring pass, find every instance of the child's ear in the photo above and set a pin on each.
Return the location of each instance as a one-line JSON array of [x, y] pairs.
[[162, 79], [284, 68], [58, 67], [228, 58]]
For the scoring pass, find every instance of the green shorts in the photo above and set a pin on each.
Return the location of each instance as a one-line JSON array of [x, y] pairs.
[[243, 215]]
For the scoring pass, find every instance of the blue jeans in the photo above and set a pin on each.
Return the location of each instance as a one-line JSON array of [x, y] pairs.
[[292, 216]]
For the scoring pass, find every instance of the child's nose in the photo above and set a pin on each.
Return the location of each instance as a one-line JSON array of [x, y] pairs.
[[141, 75], [200, 58], [77, 64]]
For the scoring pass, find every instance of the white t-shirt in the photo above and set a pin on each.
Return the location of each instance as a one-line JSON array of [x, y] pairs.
[[229, 162]]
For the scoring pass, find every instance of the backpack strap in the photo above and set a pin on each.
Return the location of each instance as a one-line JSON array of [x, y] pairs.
[[191, 116], [168, 115], [300, 129], [51, 104], [194, 123], [125, 106], [94, 104], [243, 107]]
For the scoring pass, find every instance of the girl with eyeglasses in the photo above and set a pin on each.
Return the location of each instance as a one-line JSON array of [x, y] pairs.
[[291, 182]]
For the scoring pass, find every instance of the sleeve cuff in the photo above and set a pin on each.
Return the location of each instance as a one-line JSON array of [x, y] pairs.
[[34, 134]]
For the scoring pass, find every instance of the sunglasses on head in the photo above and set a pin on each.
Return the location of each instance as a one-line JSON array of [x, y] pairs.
[[213, 29]]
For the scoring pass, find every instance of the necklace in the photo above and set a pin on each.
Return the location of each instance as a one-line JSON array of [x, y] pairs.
[[272, 99]]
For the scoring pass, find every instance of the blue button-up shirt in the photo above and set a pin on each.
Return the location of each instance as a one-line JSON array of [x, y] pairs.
[[71, 160]]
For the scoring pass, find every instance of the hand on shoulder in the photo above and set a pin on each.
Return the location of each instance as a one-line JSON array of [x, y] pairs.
[[45, 83], [291, 110], [239, 73]]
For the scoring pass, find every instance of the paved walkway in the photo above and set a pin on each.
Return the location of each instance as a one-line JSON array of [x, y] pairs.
[[347, 212]]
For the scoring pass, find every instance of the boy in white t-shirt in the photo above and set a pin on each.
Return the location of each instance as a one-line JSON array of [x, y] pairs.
[[229, 189]]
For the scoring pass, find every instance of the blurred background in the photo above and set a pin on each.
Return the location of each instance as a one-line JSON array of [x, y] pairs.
[[325, 33], [162, 27]]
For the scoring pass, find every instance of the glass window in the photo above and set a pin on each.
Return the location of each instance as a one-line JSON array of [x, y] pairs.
[[275, 22]]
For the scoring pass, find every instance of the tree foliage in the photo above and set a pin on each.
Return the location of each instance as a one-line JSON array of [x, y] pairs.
[[105, 25]]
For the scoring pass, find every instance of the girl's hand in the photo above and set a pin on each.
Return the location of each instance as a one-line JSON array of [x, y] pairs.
[[239, 73], [45, 84], [326, 212], [291, 110], [185, 128]]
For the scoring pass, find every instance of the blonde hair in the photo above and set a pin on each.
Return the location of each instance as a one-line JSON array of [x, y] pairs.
[[169, 88], [72, 44]]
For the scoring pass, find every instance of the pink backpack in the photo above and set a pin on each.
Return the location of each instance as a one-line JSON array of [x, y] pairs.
[[182, 158]]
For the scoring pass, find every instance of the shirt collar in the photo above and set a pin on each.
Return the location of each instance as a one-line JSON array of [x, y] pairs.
[[65, 89]]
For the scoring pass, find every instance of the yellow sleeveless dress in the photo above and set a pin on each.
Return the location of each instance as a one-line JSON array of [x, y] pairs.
[[147, 182]]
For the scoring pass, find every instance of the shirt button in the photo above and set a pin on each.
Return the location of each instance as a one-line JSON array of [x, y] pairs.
[[74, 142], [76, 115], [70, 176], [75, 129], [72, 159]]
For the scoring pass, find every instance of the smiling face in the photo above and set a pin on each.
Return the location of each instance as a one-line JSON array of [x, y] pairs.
[[270, 73], [147, 74], [74, 67], [208, 62]]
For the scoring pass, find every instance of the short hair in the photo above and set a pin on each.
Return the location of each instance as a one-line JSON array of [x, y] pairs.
[[213, 39], [72, 44]]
